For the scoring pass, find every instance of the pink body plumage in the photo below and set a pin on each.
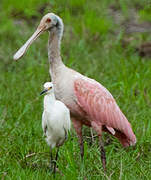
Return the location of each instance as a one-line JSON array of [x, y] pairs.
[[103, 111]]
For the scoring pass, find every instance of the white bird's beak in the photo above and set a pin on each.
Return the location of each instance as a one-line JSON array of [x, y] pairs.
[[24, 48], [44, 91]]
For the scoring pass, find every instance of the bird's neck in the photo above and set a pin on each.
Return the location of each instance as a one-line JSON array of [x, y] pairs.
[[54, 51], [49, 101]]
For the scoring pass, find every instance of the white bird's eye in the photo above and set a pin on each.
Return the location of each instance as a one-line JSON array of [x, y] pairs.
[[50, 88]]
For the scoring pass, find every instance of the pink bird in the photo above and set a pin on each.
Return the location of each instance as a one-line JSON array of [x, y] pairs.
[[89, 102]]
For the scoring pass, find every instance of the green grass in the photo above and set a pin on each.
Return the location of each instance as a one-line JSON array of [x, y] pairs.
[[92, 47]]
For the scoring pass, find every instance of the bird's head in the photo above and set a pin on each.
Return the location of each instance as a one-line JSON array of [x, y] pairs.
[[48, 88], [50, 22]]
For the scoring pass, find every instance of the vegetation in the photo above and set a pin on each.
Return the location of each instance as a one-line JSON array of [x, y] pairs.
[[95, 45]]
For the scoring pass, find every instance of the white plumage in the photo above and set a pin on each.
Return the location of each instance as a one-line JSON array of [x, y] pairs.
[[55, 119]]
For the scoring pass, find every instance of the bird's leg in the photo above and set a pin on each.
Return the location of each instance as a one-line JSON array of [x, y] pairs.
[[103, 155], [80, 138], [56, 161], [51, 159], [98, 128], [92, 136], [81, 147], [78, 128]]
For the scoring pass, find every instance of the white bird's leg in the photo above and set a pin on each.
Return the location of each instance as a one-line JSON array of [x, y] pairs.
[[51, 159], [56, 161], [78, 128]]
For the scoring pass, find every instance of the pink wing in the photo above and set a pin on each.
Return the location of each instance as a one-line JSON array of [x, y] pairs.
[[102, 109]]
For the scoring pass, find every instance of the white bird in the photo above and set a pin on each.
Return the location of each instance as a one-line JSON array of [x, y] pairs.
[[55, 121]]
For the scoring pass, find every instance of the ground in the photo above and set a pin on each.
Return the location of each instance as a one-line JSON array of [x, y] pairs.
[[102, 40]]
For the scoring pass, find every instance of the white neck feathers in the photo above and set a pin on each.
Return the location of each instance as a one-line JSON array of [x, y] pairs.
[[49, 100]]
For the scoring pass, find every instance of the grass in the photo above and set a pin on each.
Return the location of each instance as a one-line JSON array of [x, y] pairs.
[[92, 46]]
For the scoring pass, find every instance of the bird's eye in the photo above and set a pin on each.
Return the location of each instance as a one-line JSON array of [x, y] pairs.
[[48, 20]]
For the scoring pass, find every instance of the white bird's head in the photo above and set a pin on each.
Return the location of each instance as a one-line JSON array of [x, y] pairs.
[[50, 22], [48, 88]]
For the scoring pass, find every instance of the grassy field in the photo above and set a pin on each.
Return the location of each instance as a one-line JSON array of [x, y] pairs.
[[95, 44]]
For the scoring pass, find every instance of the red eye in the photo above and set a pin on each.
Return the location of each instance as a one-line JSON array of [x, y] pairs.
[[48, 20]]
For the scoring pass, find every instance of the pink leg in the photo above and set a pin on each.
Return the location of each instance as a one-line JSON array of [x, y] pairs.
[[103, 156], [98, 129], [78, 128]]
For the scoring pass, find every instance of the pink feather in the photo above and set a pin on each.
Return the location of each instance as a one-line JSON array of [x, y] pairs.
[[102, 110]]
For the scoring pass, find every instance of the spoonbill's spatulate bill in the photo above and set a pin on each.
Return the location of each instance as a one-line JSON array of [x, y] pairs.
[[90, 103]]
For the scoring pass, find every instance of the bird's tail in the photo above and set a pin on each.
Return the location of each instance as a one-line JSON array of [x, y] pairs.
[[124, 140], [126, 137], [124, 131]]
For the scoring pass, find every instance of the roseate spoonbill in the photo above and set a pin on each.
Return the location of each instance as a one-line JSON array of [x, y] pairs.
[[55, 120], [90, 103]]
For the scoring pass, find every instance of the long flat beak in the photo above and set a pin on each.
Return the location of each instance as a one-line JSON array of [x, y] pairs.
[[24, 48], [44, 91]]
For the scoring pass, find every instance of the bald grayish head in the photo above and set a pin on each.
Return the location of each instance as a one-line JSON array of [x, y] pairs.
[[50, 22]]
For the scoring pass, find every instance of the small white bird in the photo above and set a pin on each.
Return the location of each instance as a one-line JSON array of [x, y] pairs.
[[55, 121]]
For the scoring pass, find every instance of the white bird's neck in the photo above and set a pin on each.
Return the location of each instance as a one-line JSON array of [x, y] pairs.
[[54, 49], [49, 101]]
